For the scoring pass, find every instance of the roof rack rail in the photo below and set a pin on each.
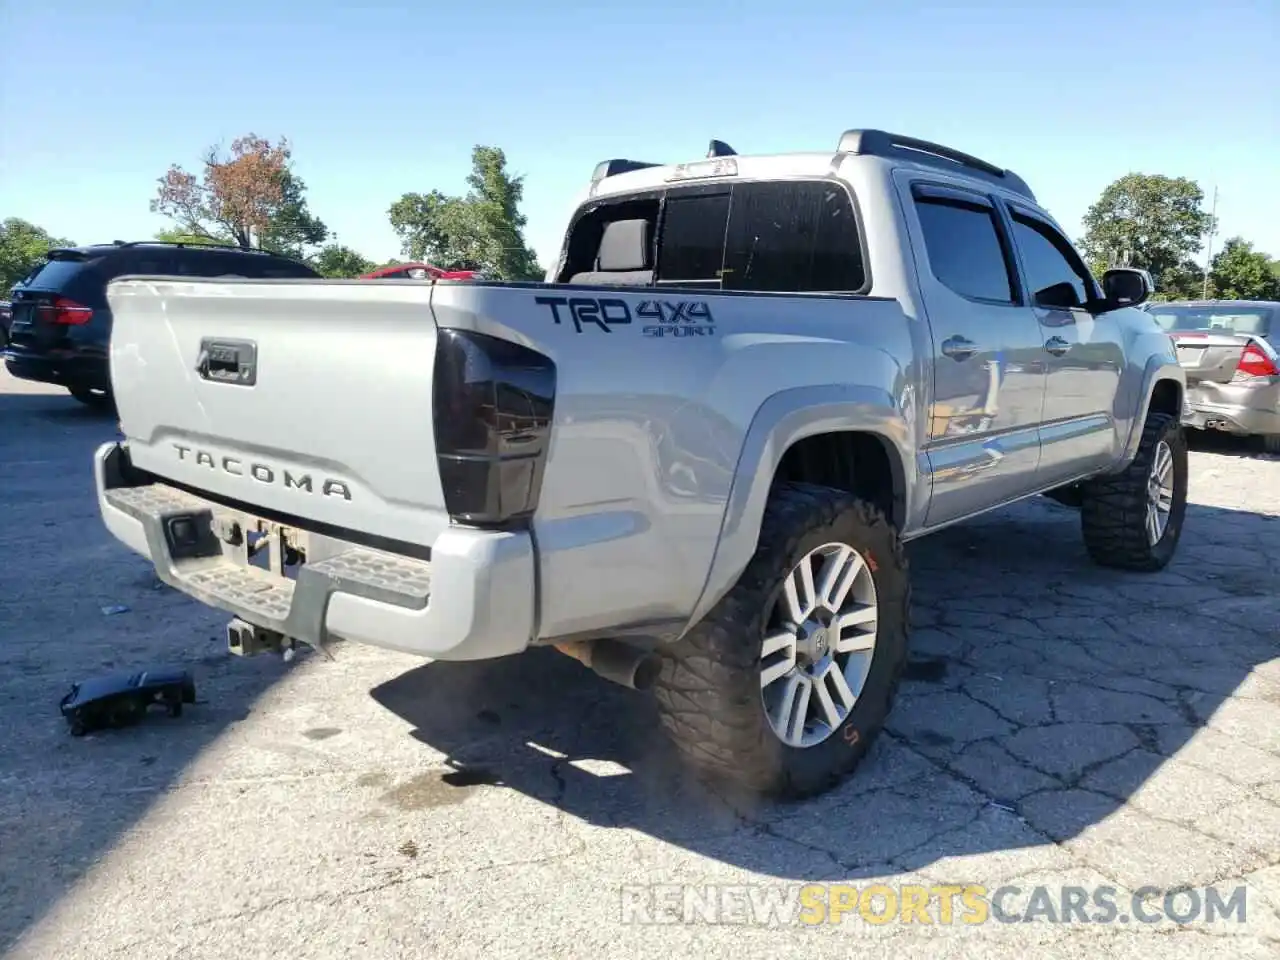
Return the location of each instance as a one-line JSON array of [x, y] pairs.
[[202, 244], [611, 168], [879, 143]]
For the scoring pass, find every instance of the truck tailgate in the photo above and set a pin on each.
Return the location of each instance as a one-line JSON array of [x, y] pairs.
[[1209, 357], [309, 398]]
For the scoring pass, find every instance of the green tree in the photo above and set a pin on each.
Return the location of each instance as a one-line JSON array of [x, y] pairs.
[[1183, 282], [338, 261], [1239, 272], [250, 194], [1149, 221], [293, 229], [22, 249], [482, 230]]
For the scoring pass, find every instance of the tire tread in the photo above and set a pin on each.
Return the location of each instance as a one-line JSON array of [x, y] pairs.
[[1114, 508]]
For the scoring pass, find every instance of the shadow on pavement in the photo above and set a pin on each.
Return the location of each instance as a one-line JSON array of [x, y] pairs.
[[1043, 692], [65, 802]]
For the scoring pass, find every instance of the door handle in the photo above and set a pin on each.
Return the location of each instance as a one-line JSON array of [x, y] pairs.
[[1057, 346], [959, 348]]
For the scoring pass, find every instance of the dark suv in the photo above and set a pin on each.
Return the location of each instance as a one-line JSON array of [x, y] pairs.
[[61, 326]]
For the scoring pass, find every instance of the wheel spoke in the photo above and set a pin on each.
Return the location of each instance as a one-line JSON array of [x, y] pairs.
[[843, 693], [783, 647], [856, 643], [799, 591], [1153, 525], [779, 716], [779, 641], [828, 706], [838, 576], [850, 640], [800, 710]]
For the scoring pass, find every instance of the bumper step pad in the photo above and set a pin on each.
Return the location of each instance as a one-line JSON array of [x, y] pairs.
[[293, 607]]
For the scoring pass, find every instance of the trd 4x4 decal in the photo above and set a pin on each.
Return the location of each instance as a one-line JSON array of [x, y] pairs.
[[678, 319], [666, 318]]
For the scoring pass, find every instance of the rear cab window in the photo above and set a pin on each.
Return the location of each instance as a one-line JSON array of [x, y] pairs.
[[60, 273], [791, 236], [1233, 319], [76, 275]]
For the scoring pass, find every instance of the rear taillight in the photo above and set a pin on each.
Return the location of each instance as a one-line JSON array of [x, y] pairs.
[[1255, 363], [65, 312], [493, 403]]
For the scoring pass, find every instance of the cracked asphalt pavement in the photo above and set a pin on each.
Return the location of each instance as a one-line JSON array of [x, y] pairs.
[[1060, 725]]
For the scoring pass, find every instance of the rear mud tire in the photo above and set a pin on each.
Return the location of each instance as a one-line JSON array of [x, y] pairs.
[[709, 689], [1113, 514]]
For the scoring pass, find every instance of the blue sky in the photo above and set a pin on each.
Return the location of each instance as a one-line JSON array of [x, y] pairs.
[[97, 99]]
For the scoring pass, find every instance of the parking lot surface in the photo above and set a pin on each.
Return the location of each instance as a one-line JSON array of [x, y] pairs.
[[1062, 726]]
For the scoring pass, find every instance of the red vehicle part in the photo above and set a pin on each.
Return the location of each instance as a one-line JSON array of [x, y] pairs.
[[417, 271]]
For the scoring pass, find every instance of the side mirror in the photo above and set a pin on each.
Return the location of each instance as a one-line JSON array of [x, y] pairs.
[[1126, 287], [1060, 296]]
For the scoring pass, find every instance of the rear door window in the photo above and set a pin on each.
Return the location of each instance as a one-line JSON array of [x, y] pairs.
[[143, 263], [278, 268], [254, 266], [964, 248]]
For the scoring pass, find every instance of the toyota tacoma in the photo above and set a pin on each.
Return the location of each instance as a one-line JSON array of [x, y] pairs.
[[690, 458]]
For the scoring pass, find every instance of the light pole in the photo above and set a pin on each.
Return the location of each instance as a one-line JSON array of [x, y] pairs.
[[1208, 256]]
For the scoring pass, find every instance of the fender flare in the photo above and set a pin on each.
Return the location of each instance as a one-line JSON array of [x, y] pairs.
[[1158, 369], [783, 419]]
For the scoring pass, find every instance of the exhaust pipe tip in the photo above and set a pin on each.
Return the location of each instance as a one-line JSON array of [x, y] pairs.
[[616, 661], [645, 672]]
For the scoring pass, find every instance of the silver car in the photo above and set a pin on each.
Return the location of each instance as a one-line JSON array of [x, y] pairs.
[[1229, 349]]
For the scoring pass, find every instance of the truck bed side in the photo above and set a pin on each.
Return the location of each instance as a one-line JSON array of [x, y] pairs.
[[669, 403]]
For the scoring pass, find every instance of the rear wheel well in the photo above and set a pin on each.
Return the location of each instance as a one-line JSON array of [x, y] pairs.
[[1166, 397], [858, 463]]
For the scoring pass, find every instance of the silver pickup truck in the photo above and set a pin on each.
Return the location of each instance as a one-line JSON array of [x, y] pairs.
[[690, 459]]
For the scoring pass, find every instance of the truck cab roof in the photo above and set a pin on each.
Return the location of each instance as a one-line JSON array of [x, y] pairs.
[[620, 176]]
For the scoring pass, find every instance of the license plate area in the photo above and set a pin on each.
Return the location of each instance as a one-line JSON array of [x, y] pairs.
[[265, 544], [22, 317]]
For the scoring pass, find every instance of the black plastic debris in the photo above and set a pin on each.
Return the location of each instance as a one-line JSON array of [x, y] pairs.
[[122, 699]]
